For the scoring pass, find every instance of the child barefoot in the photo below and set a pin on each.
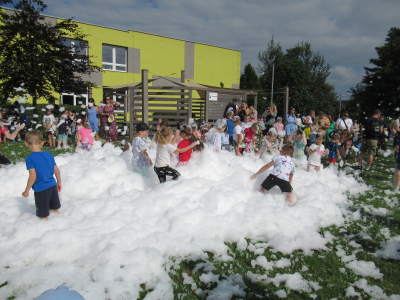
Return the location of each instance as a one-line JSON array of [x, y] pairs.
[[215, 140], [85, 139], [333, 150], [165, 148], [315, 153], [281, 175], [299, 142], [49, 123], [238, 136], [188, 138], [249, 137], [41, 166], [267, 144], [280, 132], [140, 160]]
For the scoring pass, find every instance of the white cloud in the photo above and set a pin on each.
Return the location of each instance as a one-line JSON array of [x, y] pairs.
[[345, 32], [345, 76]]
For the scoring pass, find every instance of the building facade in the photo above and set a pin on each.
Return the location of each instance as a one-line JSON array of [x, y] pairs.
[[123, 54]]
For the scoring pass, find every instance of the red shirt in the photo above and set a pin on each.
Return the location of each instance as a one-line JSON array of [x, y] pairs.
[[184, 156], [248, 135]]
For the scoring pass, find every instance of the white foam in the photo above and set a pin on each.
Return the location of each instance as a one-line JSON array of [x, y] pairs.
[[117, 230]]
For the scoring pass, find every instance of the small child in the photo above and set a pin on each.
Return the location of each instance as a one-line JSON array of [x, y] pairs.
[[42, 166], [299, 142], [62, 131], [333, 150], [397, 169], [281, 175], [11, 136], [249, 138], [85, 139], [345, 144], [307, 132], [225, 140], [231, 127], [238, 136], [313, 134], [188, 138], [280, 132], [49, 123], [267, 147], [141, 160], [215, 140], [77, 137], [315, 153], [165, 148], [357, 145], [195, 131], [356, 128], [203, 132]]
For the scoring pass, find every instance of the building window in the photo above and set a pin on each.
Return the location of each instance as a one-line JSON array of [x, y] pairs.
[[77, 47], [114, 58], [73, 99]]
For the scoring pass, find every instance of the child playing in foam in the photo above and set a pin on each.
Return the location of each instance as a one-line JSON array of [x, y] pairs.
[[333, 150], [49, 123], [298, 138], [166, 147], [281, 175], [238, 136], [249, 138], [10, 136], [188, 138], [225, 140], [140, 160], [195, 131], [85, 139], [215, 140], [63, 129], [267, 146], [41, 166], [280, 129], [315, 153]]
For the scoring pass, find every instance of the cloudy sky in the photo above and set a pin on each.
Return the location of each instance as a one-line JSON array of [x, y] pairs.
[[346, 32]]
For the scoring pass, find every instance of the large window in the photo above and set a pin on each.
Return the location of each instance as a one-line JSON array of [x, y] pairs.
[[79, 48], [72, 99], [114, 58]]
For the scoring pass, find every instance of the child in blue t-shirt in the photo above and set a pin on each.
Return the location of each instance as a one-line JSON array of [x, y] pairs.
[[357, 144], [333, 150], [41, 166], [230, 126]]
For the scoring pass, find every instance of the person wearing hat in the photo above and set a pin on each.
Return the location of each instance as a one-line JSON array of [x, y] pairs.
[[108, 119], [141, 160]]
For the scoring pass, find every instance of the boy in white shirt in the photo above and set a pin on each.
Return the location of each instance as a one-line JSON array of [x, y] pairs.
[[49, 123], [281, 175]]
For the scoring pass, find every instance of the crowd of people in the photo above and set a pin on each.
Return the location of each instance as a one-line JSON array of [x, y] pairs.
[[285, 142]]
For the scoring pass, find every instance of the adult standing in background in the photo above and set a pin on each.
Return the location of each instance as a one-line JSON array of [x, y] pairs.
[[91, 115], [345, 123], [322, 122], [108, 119], [269, 116], [395, 130], [231, 107], [243, 111], [291, 123], [371, 128]]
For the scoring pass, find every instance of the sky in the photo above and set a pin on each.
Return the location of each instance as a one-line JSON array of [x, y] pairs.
[[344, 32]]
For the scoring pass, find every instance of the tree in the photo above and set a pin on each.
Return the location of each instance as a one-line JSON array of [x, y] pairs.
[[35, 59], [303, 71], [380, 86], [249, 79]]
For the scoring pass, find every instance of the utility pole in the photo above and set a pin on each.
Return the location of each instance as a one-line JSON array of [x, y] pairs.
[[272, 92]]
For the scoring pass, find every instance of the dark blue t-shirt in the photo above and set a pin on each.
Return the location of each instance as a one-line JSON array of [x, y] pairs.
[[332, 149], [43, 162], [229, 122]]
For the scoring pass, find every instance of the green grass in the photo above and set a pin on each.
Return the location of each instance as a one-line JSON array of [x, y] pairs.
[[324, 267]]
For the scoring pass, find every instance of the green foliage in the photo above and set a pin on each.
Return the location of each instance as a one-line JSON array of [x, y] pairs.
[[381, 82], [303, 71], [34, 57], [249, 79]]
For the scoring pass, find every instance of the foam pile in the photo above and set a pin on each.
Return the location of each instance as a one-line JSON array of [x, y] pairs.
[[118, 230]]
